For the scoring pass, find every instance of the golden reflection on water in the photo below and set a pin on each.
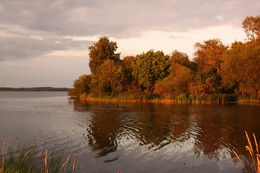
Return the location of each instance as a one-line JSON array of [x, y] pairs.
[[206, 130]]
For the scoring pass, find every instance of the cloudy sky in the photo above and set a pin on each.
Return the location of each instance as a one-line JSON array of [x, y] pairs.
[[45, 42]]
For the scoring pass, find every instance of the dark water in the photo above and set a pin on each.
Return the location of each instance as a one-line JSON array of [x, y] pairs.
[[131, 137]]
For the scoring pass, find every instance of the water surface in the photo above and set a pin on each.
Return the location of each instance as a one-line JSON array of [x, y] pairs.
[[131, 137]]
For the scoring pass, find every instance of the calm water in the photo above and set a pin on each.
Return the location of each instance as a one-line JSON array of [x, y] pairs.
[[131, 137]]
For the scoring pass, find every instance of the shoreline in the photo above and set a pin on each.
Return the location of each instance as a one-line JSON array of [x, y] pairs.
[[168, 101]]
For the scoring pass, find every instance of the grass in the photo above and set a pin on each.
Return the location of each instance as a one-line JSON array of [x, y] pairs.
[[253, 153], [31, 160], [148, 97], [182, 98], [248, 99]]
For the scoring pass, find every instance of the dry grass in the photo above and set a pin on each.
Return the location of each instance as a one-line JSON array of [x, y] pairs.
[[31, 161], [254, 154]]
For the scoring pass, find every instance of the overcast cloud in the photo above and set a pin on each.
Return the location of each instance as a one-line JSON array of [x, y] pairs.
[[34, 28], [123, 18], [36, 20]]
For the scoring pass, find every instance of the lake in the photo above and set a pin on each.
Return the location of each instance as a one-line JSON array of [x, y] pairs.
[[131, 137]]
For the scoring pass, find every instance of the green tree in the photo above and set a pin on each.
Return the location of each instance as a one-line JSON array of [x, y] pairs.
[[109, 78], [101, 51], [150, 67]]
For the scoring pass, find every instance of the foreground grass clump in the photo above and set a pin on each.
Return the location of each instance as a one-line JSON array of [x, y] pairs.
[[25, 160], [254, 154]]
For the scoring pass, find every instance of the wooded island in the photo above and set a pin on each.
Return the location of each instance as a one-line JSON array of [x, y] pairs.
[[217, 72]]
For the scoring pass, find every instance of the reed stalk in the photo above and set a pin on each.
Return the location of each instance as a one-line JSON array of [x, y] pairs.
[[3, 155], [65, 163], [29, 160], [34, 161], [74, 164], [254, 156]]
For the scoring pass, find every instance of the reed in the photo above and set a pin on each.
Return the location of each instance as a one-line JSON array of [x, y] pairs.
[[3, 155], [34, 161], [254, 154], [24, 160], [74, 164], [65, 163]]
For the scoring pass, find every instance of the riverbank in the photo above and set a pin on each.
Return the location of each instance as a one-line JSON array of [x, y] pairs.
[[153, 101], [181, 99]]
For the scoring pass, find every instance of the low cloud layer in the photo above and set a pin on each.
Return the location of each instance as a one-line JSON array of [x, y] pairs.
[[119, 19], [17, 47]]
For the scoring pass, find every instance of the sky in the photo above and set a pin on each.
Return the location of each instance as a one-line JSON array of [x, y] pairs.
[[45, 42]]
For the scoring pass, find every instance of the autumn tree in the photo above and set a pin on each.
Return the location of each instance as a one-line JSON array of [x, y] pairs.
[[241, 69], [100, 52], [109, 78], [81, 85], [209, 55], [209, 58], [176, 83], [129, 80], [182, 59], [251, 26], [150, 67]]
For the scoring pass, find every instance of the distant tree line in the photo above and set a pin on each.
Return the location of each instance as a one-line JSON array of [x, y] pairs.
[[215, 69], [33, 89]]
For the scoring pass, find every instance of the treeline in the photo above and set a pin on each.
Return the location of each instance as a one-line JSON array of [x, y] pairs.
[[33, 89], [215, 72]]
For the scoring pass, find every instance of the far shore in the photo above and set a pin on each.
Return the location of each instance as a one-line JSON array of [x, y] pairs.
[[33, 89]]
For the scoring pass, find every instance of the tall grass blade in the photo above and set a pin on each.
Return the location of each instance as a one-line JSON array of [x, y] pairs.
[[239, 159], [258, 163], [250, 149], [34, 161], [65, 163], [256, 144], [93, 162], [248, 140], [3, 154], [26, 154], [74, 164], [46, 157]]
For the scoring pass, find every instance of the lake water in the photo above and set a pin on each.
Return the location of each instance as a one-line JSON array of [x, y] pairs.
[[131, 137]]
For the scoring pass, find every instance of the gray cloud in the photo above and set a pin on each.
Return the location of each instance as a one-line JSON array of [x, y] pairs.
[[22, 22], [123, 18], [17, 47]]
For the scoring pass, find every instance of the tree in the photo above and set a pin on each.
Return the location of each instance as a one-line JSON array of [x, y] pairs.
[[241, 69], [109, 78], [176, 83], [209, 55], [101, 51], [180, 58], [150, 67], [129, 81], [251, 26], [209, 58], [81, 85]]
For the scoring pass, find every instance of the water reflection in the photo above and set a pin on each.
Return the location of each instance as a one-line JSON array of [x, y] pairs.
[[103, 131], [206, 130]]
